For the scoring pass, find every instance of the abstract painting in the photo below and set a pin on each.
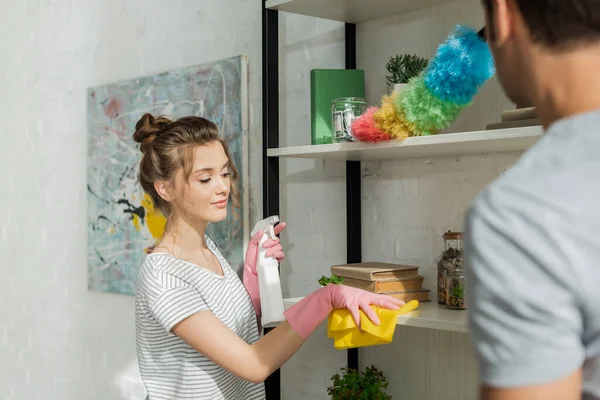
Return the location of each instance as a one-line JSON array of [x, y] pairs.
[[122, 223]]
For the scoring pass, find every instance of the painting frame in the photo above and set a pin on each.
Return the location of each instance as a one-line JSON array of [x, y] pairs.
[[231, 115]]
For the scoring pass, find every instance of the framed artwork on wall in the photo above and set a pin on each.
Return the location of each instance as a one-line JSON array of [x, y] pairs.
[[121, 221]]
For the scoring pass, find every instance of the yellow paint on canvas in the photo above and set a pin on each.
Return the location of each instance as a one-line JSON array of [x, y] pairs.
[[136, 222], [154, 218]]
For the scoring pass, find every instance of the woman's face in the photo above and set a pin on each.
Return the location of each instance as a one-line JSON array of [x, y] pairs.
[[204, 197]]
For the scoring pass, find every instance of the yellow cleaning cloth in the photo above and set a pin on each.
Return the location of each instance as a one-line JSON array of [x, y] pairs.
[[345, 334]]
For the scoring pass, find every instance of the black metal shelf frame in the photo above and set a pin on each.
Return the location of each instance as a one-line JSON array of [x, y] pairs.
[[270, 105]]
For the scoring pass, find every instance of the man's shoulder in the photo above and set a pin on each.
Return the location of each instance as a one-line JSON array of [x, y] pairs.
[[513, 211], [563, 162], [543, 207], [556, 180], [519, 188]]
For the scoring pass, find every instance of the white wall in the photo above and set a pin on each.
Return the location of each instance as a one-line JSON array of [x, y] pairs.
[[59, 341]]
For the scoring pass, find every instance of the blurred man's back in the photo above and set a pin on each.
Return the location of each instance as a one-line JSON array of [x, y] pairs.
[[533, 236]]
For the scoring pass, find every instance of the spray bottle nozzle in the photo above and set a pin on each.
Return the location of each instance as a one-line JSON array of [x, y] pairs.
[[266, 225]]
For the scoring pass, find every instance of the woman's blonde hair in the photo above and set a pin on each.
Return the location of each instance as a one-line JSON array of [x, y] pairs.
[[168, 145]]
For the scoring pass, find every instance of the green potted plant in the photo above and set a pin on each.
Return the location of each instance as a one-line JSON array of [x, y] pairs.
[[402, 68], [324, 281], [370, 384]]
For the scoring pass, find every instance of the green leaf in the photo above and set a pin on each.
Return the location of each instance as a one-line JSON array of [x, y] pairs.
[[404, 67], [369, 384], [323, 281]]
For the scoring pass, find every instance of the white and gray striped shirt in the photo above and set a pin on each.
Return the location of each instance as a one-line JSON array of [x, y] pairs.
[[170, 290]]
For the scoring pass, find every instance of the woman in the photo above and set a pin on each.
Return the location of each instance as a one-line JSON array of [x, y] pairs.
[[196, 321]]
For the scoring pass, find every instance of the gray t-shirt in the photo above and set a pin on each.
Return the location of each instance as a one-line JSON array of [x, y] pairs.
[[532, 251], [168, 291]]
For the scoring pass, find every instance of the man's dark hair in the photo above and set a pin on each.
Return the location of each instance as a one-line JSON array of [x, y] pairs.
[[558, 24]]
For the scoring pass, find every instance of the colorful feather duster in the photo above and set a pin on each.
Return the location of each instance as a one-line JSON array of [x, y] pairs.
[[432, 100], [369, 132]]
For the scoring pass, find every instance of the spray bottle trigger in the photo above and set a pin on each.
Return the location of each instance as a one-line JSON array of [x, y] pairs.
[[271, 232]]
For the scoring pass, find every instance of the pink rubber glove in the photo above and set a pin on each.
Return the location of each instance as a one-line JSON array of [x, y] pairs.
[[307, 314], [250, 277]]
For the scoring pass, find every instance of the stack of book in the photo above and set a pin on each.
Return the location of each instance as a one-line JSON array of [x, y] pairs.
[[400, 281], [516, 118]]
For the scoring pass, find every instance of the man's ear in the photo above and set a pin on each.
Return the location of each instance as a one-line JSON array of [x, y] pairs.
[[500, 15], [163, 188]]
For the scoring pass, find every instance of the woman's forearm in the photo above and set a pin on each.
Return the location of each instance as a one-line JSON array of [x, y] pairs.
[[275, 348], [209, 336]]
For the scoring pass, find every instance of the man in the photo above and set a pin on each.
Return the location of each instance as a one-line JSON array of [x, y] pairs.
[[533, 237]]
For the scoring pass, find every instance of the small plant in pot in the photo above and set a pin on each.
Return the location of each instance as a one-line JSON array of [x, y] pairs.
[[370, 384], [324, 281], [402, 68]]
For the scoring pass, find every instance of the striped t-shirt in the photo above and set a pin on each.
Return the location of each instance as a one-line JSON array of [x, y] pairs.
[[170, 290]]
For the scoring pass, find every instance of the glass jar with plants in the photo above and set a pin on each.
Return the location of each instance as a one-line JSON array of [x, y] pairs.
[[402, 68], [456, 296], [369, 384], [451, 257]]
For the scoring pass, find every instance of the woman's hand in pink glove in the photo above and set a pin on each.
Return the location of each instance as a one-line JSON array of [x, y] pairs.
[[250, 276], [355, 299], [273, 246], [308, 313]]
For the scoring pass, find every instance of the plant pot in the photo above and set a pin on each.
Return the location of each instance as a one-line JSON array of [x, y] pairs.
[[398, 87]]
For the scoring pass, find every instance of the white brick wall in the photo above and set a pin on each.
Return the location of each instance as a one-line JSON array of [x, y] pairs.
[[57, 340], [411, 203]]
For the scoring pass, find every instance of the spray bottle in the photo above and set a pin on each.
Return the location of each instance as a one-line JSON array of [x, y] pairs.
[[269, 285]]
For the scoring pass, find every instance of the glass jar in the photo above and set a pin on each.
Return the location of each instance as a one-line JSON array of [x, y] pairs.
[[451, 257], [456, 292], [344, 110]]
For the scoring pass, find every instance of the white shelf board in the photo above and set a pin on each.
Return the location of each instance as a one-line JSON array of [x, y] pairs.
[[428, 315], [353, 11], [447, 144]]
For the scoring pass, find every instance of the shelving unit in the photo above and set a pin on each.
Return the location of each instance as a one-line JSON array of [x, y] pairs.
[[428, 315], [351, 11], [450, 144]]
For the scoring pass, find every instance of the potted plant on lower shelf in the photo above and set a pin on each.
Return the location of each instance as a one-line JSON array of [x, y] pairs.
[[402, 68], [370, 384]]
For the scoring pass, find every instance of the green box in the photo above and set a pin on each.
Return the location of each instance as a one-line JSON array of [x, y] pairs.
[[326, 85]]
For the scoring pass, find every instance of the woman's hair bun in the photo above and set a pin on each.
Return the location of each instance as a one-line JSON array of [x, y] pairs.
[[147, 128]]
